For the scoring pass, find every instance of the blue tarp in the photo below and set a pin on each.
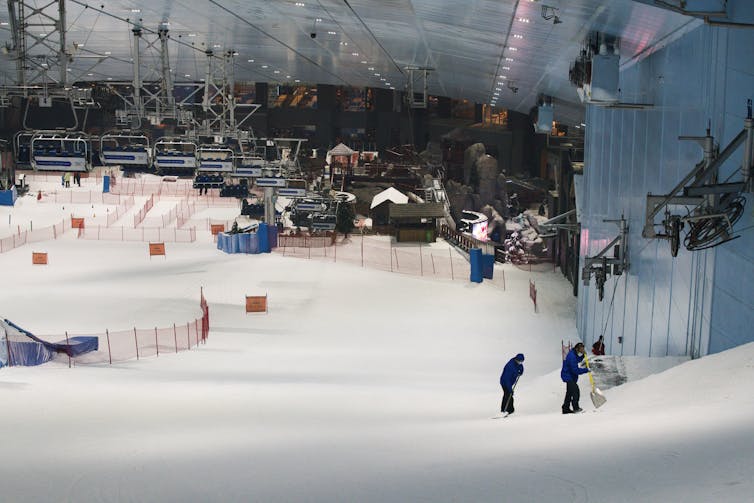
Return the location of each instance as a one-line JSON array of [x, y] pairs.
[[245, 242], [27, 349], [264, 238], [272, 234], [8, 197]]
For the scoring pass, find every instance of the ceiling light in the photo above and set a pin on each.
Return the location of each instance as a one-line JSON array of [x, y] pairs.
[[297, 80], [583, 125], [516, 35], [392, 88], [506, 68], [331, 33], [363, 62], [107, 53], [192, 34], [276, 71], [299, 4], [250, 61], [383, 79], [371, 68], [509, 60], [524, 19], [110, 78], [387, 83], [513, 49], [376, 74], [187, 75], [4, 23], [495, 94], [318, 20], [354, 54], [90, 74], [216, 46], [503, 77], [264, 66], [135, 10], [498, 89]]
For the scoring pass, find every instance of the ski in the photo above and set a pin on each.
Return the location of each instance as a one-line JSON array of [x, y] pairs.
[[501, 416]]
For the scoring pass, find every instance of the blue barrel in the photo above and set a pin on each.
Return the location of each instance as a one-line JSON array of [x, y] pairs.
[[272, 234], [244, 242], [106, 183], [488, 265], [264, 238], [235, 243], [253, 243], [221, 237], [475, 257]]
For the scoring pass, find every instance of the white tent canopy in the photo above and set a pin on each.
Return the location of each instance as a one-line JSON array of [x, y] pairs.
[[390, 194]]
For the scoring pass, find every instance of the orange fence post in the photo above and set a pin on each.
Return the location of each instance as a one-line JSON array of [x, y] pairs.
[[533, 294], [450, 255], [421, 262], [68, 352], [391, 253], [175, 337], [136, 340], [109, 353]]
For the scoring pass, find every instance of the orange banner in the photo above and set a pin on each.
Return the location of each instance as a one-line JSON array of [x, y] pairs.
[[39, 258], [77, 223], [217, 229], [156, 249], [256, 303]]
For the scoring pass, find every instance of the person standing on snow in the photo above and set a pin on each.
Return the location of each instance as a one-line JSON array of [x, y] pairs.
[[511, 372], [570, 375]]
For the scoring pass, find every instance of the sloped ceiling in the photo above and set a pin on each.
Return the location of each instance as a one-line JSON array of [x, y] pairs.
[[365, 42]]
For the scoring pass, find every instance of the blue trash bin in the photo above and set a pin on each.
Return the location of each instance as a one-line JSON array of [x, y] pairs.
[[488, 265], [475, 257]]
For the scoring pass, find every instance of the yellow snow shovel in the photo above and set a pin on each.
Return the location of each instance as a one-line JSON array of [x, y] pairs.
[[598, 399]]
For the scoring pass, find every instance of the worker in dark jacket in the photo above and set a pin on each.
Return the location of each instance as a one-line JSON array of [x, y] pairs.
[[570, 375], [511, 372]]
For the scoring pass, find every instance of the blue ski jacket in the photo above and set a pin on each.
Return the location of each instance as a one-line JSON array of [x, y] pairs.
[[571, 370], [511, 371]]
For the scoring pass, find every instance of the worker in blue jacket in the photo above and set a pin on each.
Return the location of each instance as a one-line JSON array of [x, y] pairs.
[[511, 372], [570, 375]]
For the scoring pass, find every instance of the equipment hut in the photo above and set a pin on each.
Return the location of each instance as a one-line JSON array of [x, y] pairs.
[[380, 207], [416, 222]]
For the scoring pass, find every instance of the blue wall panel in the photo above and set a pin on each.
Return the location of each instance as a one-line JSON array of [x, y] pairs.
[[698, 302]]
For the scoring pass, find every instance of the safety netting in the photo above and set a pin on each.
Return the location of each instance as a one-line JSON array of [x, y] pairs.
[[20, 347]]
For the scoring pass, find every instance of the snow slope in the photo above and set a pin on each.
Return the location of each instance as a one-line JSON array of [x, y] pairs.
[[358, 385]]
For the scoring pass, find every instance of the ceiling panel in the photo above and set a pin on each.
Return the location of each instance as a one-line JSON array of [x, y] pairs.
[[462, 41]]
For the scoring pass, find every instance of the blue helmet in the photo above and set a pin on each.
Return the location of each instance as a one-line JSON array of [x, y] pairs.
[[520, 358]]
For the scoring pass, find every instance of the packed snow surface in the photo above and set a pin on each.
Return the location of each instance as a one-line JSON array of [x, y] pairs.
[[358, 386]]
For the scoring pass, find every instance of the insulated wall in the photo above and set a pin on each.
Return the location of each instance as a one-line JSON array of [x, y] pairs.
[[699, 302]]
